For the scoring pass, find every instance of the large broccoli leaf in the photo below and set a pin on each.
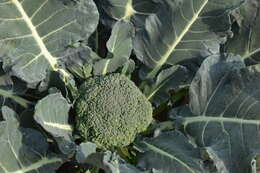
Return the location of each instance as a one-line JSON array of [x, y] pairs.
[[246, 41], [170, 152], [24, 150], [225, 101], [183, 29], [37, 32]]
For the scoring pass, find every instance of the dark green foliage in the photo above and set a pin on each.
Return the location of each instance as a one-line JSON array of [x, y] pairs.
[[66, 93], [111, 110]]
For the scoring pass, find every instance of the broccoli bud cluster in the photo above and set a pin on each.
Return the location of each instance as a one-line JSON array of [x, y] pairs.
[[111, 110]]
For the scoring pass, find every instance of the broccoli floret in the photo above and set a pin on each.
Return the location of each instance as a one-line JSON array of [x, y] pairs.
[[111, 110]]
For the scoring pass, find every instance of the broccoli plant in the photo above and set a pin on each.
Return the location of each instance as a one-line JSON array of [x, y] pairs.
[[111, 110], [130, 86]]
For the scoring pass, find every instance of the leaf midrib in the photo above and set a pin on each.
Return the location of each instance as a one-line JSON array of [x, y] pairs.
[[250, 54], [23, 102], [164, 153], [187, 121], [150, 95], [65, 127], [36, 36], [37, 165], [166, 56]]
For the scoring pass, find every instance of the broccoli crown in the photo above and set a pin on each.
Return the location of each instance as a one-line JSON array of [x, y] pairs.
[[111, 110]]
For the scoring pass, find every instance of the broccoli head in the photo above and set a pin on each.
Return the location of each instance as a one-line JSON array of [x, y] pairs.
[[111, 110]]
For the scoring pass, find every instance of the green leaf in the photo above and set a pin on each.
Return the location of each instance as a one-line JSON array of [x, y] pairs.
[[168, 79], [10, 90], [80, 61], [119, 46], [24, 150], [111, 163], [127, 9], [120, 41], [246, 42], [225, 101], [84, 151], [119, 9], [37, 32], [128, 67], [52, 113], [257, 164], [170, 152], [181, 30]]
